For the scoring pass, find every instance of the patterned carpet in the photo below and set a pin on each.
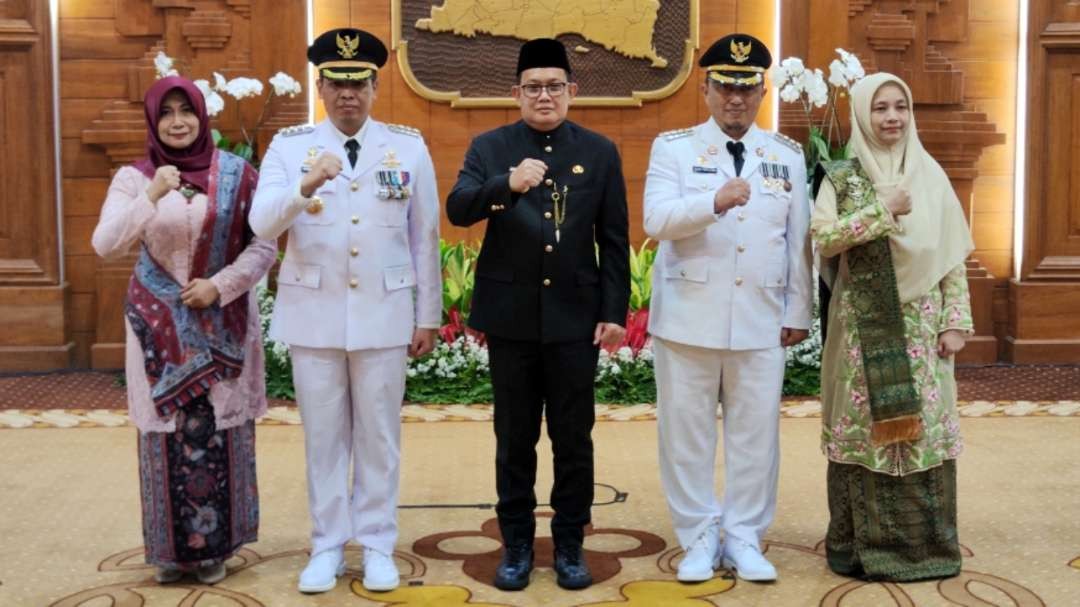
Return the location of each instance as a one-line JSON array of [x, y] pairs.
[[69, 519]]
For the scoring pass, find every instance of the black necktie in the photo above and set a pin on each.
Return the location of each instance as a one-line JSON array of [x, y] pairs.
[[354, 147], [736, 148]]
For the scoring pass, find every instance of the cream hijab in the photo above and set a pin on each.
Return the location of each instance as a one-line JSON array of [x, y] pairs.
[[935, 237]]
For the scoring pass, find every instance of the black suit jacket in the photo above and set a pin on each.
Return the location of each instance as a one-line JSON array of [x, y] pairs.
[[588, 269]]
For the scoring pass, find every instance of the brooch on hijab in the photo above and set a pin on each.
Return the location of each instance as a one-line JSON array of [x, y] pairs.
[[187, 191]]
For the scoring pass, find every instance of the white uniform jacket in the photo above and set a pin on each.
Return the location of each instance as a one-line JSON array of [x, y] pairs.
[[728, 281], [351, 266]]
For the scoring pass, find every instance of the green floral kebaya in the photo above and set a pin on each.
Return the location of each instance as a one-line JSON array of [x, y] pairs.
[[845, 401]]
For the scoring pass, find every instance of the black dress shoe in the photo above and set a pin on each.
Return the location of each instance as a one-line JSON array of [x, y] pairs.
[[571, 571], [514, 569]]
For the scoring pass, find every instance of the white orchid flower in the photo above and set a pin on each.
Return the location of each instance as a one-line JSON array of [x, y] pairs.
[[852, 67], [838, 74], [284, 84], [240, 88], [214, 103], [220, 83], [780, 77], [204, 87], [790, 93], [793, 66], [163, 64], [813, 83]]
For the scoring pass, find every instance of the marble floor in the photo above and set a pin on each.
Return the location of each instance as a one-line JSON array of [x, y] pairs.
[[70, 522]]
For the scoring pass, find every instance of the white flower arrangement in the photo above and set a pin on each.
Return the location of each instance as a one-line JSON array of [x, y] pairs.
[[449, 360], [799, 84], [239, 88]]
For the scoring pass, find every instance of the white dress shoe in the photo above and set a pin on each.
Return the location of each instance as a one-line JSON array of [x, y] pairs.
[[747, 561], [211, 574], [322, 571], [167, 575], [380, 572], [702, 558]]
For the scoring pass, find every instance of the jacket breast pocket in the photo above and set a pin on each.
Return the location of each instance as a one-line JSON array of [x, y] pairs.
[[391, 212], [771, 205], [399, 277], [692, 270], [299, 275], [587, 276], [699, 183]]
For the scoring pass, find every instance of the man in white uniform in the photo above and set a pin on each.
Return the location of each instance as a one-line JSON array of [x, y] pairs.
[[359, 201], [731, 288]]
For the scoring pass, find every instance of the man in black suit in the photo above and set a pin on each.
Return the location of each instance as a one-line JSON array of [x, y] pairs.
[[552, 285]]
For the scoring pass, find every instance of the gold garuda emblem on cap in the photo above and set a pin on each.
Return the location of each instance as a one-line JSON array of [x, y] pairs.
[[347, 46], [463, 52], [740, 51]]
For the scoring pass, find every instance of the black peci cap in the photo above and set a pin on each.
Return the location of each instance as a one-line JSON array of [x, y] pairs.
[[738, 59], [347, 54], [542, 52]]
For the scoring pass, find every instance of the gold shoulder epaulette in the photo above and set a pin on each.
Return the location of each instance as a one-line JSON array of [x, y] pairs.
[[404, 130], [298, 129], [677, 134], [788, 141]]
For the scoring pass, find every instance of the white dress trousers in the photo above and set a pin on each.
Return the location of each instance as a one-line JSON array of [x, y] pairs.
[[350, 404], [749, 383]]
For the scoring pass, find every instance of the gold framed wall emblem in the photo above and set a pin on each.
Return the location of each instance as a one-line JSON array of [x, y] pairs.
[[622, 52]]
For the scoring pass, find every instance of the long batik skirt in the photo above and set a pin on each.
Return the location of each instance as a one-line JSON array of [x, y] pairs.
[[200, 502], [892, 528]]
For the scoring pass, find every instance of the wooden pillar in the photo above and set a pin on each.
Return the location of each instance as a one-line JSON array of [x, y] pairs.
[[1044, 303], [32, 296]]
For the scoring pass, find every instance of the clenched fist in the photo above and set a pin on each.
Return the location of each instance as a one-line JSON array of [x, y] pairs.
[[734, 193], [898, 202], [326, 167], [166, 178], [527, 174], [950, 342]]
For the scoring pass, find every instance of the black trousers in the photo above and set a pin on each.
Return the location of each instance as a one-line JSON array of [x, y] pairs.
[[530, 378]]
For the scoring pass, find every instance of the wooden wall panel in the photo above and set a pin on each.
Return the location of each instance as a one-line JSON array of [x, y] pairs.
[[32, 319], [959, 57], [448, 131], [106, 64], [1044, 323]]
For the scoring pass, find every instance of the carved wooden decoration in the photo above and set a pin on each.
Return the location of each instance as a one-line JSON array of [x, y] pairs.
[[117, 44], [912, 39]]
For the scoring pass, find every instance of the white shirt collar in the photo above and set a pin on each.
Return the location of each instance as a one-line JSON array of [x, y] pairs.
[[342, 137], [712, 133]]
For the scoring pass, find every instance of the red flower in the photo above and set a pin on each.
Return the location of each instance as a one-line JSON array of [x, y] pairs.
[[637, 332]]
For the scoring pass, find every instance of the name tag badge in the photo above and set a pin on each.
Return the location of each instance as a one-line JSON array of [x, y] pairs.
[[708, 170]]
